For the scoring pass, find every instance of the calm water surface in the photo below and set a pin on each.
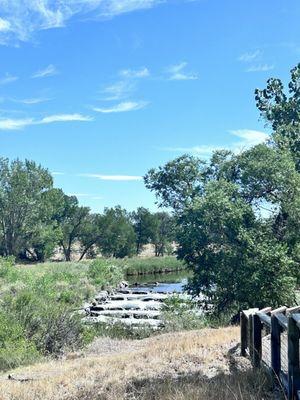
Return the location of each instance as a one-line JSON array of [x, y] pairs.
[[168, 282]]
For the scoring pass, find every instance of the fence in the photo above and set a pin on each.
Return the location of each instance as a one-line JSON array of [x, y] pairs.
[[271, 339]]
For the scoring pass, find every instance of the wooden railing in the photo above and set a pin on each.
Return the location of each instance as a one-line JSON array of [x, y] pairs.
[[271, 339]]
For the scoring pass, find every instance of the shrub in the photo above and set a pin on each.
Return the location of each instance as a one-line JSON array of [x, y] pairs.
[[15, 349], [105, 274]]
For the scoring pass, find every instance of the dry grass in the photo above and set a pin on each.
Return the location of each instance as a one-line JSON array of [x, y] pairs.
[[188, 365]]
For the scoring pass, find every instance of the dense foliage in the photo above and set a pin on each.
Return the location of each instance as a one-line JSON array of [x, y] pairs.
[[37, 219], [238, 214]]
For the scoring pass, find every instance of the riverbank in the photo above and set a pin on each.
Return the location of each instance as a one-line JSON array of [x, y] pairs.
[[37, 304], [202, 365], [150, 265]]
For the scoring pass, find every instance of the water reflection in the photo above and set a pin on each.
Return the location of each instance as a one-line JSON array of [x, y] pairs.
[[168, 282]]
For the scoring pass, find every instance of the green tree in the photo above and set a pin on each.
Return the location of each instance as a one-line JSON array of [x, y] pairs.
[[282, 112], [90, 234], [227, 227], [145, 226], [118, 237], [165, 232], [72, 220], [22, 193]]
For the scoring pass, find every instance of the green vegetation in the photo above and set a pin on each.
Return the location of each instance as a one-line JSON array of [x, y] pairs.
[[150, 265], [238, 214], [38, 303], [37, 219]]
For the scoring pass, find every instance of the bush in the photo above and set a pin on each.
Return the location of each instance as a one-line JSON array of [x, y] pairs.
[[52, 326], [15, 349], [105, 274], [6, 266], [182, 314]]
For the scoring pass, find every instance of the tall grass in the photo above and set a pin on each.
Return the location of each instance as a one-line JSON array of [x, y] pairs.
[[37, 306], [151, 265]]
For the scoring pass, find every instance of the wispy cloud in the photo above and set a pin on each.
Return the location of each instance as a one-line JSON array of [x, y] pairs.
[[255, 57], [33, 100], [177, 73], [112, 8], [4, 25], [113, 177], [21, 19], [118, 90], [50, 70], [260, 68], [248, 138], [122, 107], [8, 79], [54, 173], [138, 73], [205, 150], [15, 124], [65, 118], [9, 124], [250, 56]]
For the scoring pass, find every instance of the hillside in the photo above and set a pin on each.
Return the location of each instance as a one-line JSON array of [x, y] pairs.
[[191, 365]]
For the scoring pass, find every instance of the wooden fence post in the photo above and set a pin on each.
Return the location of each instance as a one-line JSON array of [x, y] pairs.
[[293, 357], [257, 328], [275, 345], [244, 333]]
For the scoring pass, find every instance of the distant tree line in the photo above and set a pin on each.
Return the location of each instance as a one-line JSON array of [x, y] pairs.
[[36, 219], [238, 215]]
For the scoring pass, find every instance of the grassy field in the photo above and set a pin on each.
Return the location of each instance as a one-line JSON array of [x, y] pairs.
[[191, 365]]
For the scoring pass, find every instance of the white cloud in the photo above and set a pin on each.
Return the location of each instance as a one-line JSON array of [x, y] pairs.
[[115, 7], [8, 124], [177, 73], [248, 57], [64, 118], [118, 90], [113, 177], [248, 138], [122, 107], [4, 25], [15, 124], [138, 73], [20, 19], [260, 68], [50, 70], [34, 100], [57, 173], [8, 79], [205, 150]]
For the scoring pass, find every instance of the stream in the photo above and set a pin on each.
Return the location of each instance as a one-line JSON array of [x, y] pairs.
[[164, 282]]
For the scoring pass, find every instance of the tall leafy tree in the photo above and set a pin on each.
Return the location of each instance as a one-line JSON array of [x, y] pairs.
[[72, 220], [145, 225], [118, 237], [281, 110], [90, 234], [165, 232], [22, 199]]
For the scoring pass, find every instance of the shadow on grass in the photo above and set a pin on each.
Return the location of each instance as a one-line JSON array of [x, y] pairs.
[[238, 385]]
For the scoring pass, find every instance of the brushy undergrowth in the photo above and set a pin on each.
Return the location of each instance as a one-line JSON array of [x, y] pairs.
[[38, 303]]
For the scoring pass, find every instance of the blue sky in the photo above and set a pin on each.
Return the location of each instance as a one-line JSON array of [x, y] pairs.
[[99, 91]]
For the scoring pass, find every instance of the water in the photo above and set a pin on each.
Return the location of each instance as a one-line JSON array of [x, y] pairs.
[[167, 282]]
